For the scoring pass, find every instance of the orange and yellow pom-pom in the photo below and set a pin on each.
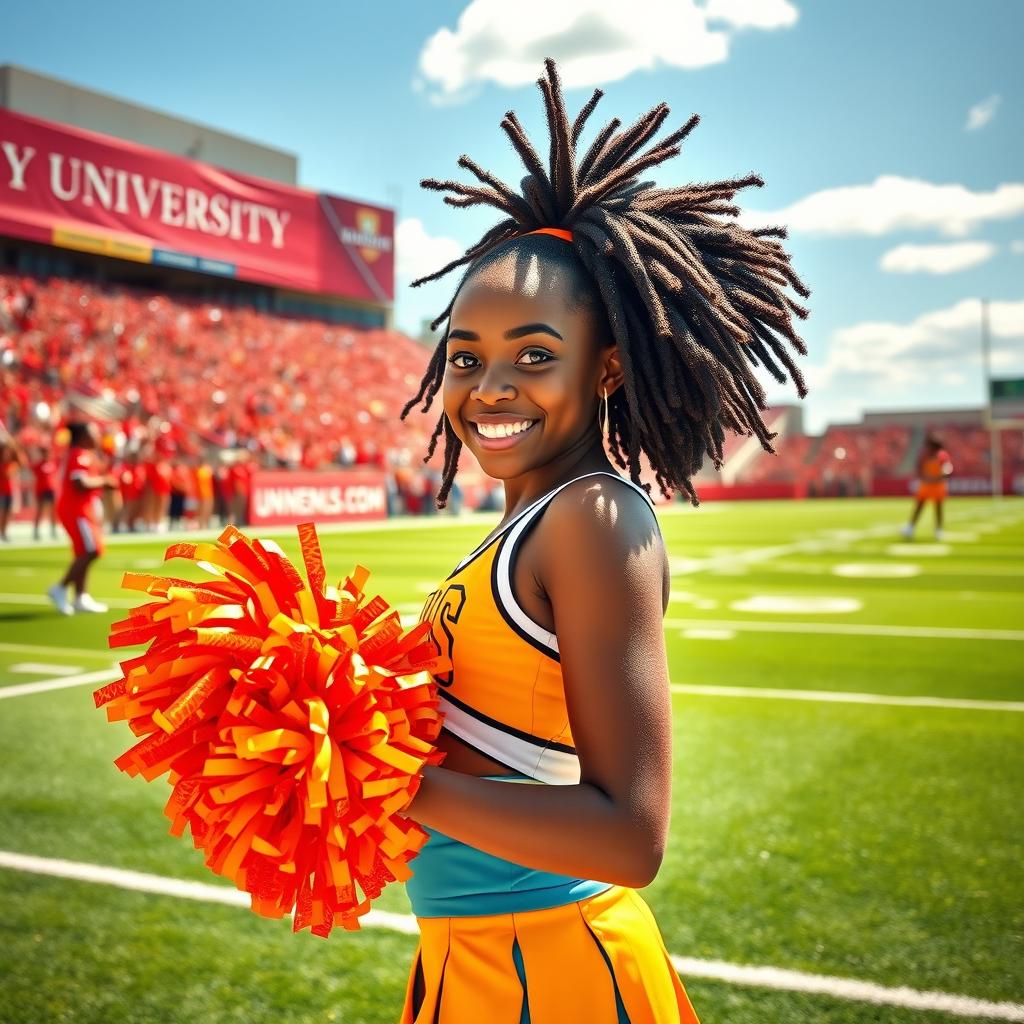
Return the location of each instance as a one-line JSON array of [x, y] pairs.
[[294, 721]]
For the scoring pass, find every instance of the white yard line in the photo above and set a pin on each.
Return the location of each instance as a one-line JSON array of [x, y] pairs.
[[813, 545], [825, 541], [848, 629], [840, 697], [746, 692], [323, 529], [71, 652], [103, 675], [43, 668], [847, 988], [735, 974], [27, 598]]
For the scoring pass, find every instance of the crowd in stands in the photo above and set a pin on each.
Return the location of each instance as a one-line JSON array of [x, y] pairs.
[[196, 397]]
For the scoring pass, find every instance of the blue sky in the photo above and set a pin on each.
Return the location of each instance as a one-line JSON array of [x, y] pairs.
[[888, 135]]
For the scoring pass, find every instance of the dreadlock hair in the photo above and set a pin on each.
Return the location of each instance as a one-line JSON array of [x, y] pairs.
[[691, 300]]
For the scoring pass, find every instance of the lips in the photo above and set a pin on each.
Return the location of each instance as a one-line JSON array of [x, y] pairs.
[[500, 443]]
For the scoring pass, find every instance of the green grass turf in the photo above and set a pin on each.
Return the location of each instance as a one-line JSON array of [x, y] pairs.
[[872, 842]]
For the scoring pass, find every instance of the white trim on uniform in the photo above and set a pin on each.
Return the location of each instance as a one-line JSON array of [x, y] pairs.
[[556, 767], [505, 594], [476, 551], [88, 537]]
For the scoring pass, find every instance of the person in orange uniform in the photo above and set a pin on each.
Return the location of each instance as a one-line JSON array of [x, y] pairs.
[[203, 484], [80, 513], [933, 470], [572, 346]]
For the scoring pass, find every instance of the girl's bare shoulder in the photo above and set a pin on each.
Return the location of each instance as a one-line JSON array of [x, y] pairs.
[[605, 521]]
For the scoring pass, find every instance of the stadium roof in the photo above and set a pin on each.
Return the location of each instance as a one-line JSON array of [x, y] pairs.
[[37, 95]]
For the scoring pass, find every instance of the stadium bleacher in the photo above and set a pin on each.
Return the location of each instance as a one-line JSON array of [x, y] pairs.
[[299, 389]]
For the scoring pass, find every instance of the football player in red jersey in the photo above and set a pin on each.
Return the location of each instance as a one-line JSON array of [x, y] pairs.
[[79, 511]]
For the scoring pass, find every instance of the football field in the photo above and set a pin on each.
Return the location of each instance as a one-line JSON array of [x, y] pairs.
[[848, 818]]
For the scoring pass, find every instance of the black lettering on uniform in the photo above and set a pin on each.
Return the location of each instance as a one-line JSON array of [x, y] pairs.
[[441, 607]]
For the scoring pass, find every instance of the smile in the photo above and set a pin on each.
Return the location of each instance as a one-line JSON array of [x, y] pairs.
[[496, 438]]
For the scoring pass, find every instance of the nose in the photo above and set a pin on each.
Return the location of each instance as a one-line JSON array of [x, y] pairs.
[[492, 387]]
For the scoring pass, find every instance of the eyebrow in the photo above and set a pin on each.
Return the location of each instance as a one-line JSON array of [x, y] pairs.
[[510, 335]]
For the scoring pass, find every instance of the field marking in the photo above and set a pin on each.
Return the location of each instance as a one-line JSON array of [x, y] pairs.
[[825, 696], [77, 652], [811, 545], [847, 988], [786, 604], [849, 629], [468, 518], [876, 570], [41, 668], [113, 602], [777, 978], [919, 549], [846, 697], [103, 675]]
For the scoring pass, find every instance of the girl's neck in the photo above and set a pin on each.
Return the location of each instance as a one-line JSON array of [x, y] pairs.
[[526, 488]]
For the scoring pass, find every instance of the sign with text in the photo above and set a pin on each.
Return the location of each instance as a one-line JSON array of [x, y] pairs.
[[1007, 397], [285, 497], [82, 190]]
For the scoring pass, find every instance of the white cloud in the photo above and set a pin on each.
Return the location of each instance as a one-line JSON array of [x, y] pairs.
[[896, 360], [936, 259], [1017, 246], [981, 113], [765, 14], [594, 41], [891, 203], [417, 253]]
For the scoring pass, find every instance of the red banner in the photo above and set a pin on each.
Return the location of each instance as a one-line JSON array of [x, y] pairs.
[[283, 498], [82, 190]]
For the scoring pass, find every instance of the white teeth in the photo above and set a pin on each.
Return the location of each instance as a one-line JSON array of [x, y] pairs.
[[503, 429]]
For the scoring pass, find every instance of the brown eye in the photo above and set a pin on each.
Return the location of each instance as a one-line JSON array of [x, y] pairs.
[[460, 355], [537, 352]]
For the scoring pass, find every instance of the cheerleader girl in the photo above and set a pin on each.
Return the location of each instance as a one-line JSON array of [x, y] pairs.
[[601, 318], [933, 471]]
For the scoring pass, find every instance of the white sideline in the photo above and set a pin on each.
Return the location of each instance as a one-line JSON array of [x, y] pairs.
[[27, 598], [847, 697], [735, 974], [101, 675], [77, 652], [743, 692], [847, 629]]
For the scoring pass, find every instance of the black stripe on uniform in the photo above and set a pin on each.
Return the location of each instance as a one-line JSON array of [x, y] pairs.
[[500, 605], [504, 727]]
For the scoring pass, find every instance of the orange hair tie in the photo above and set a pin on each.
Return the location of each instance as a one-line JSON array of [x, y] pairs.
[[557, 232]]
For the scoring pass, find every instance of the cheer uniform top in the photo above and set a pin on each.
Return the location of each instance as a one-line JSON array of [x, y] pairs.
[[500, 941], [504, 695], [933, 489]]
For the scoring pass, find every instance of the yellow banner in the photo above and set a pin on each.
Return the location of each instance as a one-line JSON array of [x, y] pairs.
[[104, 245]]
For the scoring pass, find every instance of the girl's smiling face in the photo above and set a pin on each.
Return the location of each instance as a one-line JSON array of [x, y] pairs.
[[525, 352]]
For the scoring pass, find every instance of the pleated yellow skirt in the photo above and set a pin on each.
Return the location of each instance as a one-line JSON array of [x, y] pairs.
[[601, 960]]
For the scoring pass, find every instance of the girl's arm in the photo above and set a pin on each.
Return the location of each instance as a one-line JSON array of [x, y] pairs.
[[603, 562]]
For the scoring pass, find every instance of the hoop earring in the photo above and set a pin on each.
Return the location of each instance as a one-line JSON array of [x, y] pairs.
[[602, 423]]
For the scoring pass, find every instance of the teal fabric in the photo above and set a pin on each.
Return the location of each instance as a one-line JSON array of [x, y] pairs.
[[453, 879]]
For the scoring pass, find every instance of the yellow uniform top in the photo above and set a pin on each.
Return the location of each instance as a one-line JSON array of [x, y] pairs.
[[504, 695]]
